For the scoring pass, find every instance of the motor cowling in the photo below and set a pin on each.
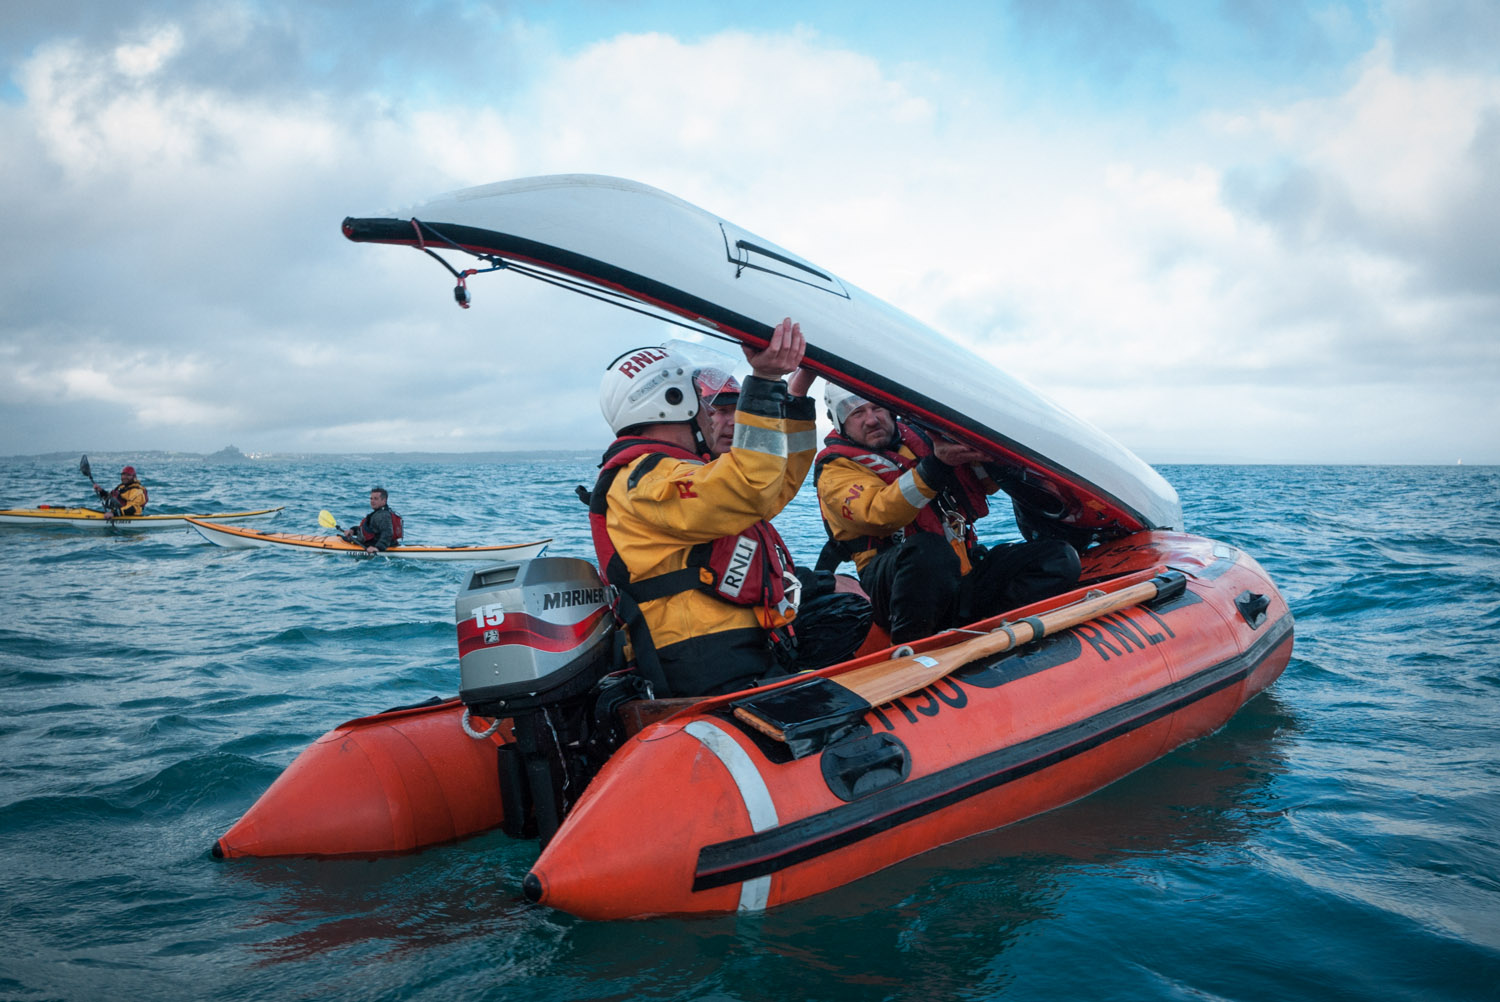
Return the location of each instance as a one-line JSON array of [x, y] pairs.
[[536, 645], [531, 633]]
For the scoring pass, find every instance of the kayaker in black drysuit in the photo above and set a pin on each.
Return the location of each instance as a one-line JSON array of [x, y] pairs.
[[378, 530]]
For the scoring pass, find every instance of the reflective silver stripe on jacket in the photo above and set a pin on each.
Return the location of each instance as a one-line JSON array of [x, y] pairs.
[[910, 491], [765, 440], [803, 441]]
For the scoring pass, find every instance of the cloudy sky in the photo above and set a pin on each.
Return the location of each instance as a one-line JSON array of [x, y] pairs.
[[1263, 231]]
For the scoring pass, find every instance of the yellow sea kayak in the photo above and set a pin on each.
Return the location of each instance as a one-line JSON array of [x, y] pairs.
[[88, 518]]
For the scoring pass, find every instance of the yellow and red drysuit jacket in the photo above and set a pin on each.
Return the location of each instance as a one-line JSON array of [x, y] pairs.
[[870, 498], [655, 512], [127, 499]]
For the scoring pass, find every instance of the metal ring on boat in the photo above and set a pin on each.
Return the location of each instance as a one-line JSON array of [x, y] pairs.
[[904, 651], [478, 735]]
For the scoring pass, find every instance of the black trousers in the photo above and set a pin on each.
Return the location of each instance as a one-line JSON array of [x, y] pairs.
[[828, 629], [916, 589]]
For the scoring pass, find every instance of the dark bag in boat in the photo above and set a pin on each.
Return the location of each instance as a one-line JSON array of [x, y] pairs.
[[830, 628]]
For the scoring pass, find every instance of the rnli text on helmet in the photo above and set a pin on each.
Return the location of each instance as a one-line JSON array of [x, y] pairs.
[[639, 361]]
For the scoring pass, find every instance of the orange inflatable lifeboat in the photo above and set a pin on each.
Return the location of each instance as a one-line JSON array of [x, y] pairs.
[[760, 798], [745, 819]]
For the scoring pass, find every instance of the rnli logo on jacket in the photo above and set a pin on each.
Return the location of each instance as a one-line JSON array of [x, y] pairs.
[[738, 571]]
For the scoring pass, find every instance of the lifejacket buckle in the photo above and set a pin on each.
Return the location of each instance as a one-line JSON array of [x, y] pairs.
[[791, 586]]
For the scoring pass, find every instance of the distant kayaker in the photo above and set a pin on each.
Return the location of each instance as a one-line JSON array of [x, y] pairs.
[[902, 505], [379, 530], [681, 514], [129, 498]]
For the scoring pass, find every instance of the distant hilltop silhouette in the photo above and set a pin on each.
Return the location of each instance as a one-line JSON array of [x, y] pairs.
[[228, 454]]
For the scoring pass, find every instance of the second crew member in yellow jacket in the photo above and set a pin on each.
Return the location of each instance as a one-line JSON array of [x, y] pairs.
[[902, 505], [687, 538]]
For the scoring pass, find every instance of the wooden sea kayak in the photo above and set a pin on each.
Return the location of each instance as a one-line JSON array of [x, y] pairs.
[[235, 537]]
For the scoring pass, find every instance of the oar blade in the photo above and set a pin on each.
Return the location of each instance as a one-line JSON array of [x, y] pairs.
[[83, 467], [806, 716], [326, 519]]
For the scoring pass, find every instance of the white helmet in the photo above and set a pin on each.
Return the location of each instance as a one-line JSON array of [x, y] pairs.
[[841, 403], [647, 386]]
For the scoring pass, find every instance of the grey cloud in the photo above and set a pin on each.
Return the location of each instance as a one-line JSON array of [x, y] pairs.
[[1451, 252], [1302, 205], [1463, 247], [1457, 34], [286, 48]]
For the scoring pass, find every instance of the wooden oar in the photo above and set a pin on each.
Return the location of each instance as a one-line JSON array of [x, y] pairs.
[[806, 715]]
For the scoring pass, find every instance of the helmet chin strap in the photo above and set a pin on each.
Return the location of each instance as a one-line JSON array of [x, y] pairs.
[[700, 444]]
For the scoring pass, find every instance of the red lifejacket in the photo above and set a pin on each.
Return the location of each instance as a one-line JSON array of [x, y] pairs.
[[964, 496], [370, 537], [748, 568]]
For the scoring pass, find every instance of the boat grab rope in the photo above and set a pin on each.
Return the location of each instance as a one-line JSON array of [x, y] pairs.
[[478, 735], [623, 300]]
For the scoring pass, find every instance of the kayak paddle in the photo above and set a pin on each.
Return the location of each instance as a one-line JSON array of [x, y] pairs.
[[327, 521], [83, 467]]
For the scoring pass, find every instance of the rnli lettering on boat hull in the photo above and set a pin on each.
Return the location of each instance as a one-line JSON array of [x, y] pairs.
[[750, 827]]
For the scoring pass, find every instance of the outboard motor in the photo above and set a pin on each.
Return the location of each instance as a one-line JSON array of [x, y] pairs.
[[535, 639]]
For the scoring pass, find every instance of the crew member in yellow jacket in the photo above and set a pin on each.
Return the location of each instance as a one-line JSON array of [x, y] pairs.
[[681, 511], [901, 503]]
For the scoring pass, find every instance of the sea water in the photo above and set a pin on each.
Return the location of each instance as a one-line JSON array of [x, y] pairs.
[[1336, 840]]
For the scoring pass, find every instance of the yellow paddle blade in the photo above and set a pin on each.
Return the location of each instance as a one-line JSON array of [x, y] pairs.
[[326, 520]]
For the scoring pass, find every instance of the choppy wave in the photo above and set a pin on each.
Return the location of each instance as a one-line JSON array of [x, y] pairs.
[[1336, 840]]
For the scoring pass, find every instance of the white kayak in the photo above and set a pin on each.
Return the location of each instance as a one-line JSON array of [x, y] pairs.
[[237, 538], [623, 240], [89, 518]]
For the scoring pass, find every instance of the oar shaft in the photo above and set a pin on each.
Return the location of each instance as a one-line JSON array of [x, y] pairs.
[[881, 683], [809, 714]]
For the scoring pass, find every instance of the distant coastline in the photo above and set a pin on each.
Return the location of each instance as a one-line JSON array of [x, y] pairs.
[[234, 455]]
